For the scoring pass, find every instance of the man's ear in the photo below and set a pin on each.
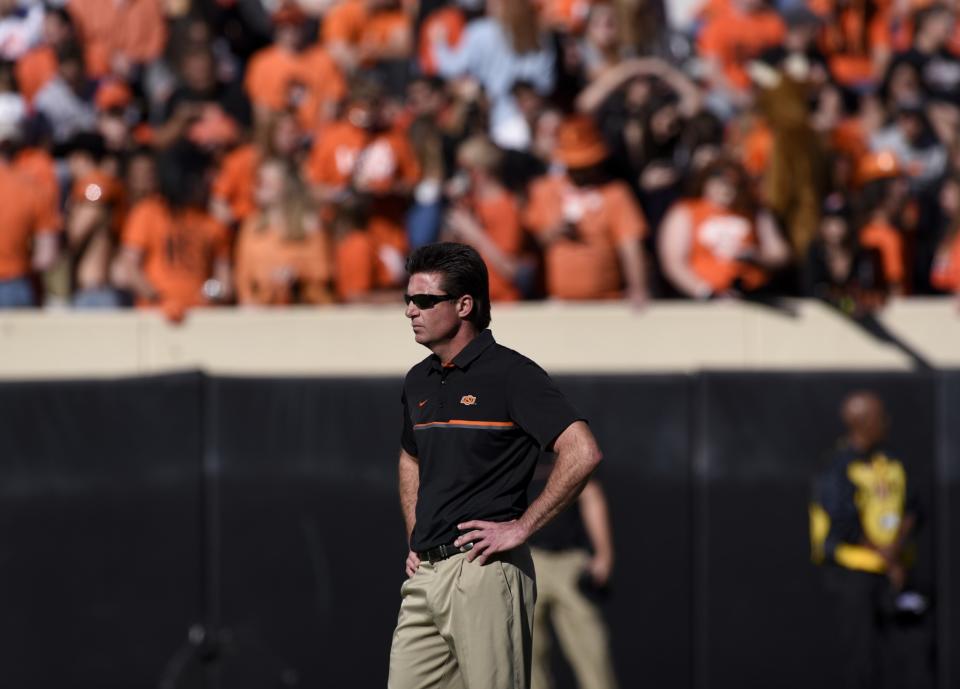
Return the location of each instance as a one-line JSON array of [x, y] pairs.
[[465, 306]]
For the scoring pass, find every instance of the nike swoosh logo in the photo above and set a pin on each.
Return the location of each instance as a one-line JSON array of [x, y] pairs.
[[420, 404]]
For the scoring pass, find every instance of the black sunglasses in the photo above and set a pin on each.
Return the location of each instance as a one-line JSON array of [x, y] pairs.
[[426, 301]]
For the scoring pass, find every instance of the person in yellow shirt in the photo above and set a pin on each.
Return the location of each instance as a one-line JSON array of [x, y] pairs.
[[861, 520]]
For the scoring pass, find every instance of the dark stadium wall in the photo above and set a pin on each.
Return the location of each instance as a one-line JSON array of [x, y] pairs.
[[265, 511]]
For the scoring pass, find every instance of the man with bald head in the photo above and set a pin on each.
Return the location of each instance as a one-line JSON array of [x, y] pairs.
[[861, 520]]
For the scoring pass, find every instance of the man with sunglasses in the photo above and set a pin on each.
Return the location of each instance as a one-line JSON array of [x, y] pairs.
[[476, 415]]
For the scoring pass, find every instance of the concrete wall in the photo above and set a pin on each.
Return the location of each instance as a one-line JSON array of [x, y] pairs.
[[564, 338]]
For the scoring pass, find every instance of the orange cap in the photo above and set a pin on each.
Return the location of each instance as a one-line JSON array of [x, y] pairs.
[[878, 165], [112, 94], [579, 143]]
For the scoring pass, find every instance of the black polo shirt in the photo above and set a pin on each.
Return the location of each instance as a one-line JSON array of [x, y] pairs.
[[476, 427]]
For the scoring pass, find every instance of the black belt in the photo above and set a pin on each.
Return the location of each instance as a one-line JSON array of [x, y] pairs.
[[442, 552]]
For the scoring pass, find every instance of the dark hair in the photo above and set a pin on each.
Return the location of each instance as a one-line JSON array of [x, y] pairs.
[[462, 272]]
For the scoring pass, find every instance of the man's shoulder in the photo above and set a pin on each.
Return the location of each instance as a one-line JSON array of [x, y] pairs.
[[510, 360], [419, 369]]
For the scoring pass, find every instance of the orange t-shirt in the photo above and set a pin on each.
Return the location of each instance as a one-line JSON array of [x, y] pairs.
[[586, 266], [887, 240], [344, 22], [134, 28], [274, 76], [38, 166], [500, 217], [717, 238], [343, 152], [179, 249], [453, 21], [380, 28], [268, 265], [34, 70], [356, 265], [236, 181], [734, 38], [842, 42], [23, 214], [326, 87], [946, 267]]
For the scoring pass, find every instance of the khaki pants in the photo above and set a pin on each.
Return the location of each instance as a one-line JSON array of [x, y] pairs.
[[466, 626], [577, 622]]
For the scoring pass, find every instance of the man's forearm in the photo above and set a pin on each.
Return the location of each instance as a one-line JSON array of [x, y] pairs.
[[409, 472], [577, 457]]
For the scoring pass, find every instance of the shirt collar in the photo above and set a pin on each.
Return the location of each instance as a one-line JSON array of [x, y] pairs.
[[468, 354]]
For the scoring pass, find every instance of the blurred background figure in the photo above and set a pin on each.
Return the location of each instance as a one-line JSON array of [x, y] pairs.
[[588, 223], [573, 556], [283, 253], [719, 243], [838, 269], [862, 518]]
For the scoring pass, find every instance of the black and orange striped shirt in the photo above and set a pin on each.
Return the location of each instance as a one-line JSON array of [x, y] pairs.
[[476, 427]]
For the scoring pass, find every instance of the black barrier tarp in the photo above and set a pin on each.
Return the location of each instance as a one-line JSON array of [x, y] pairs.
[[948, 531], [763, 615], [641, 424], [312, 538], [267, 509], [99, 529]]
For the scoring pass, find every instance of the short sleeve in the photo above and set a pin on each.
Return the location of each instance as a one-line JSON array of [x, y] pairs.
[[219, 239], [537, 405], [46, 214], [136, 231], [542, 212], [407, 440]]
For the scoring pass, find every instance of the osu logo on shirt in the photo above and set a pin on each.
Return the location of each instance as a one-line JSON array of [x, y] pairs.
[[468, 400]]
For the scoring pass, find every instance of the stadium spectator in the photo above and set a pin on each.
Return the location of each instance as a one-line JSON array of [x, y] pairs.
[[929, 55], [174, 254], [882, 200], [66, 101], [283, 253], [20, 28], [288, 75], [485, 215], [203, 110], [911, 139], [119, 38], [719, 242], [946, 265], [28, 224], [589, 224], [733, 35], [837, 269], [232, 195], [499, 50], [93, 218], [642, 106], [367, 33], [38, 66], [362, 161]]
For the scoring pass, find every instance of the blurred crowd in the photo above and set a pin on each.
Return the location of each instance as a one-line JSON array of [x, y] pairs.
[[175, 153]]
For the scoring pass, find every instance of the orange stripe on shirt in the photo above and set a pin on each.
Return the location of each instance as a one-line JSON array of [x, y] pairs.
[[462, 423]]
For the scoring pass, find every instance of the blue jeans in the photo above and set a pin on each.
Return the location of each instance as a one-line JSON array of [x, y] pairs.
[[423, 224], [97, 298], [16, 294]]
